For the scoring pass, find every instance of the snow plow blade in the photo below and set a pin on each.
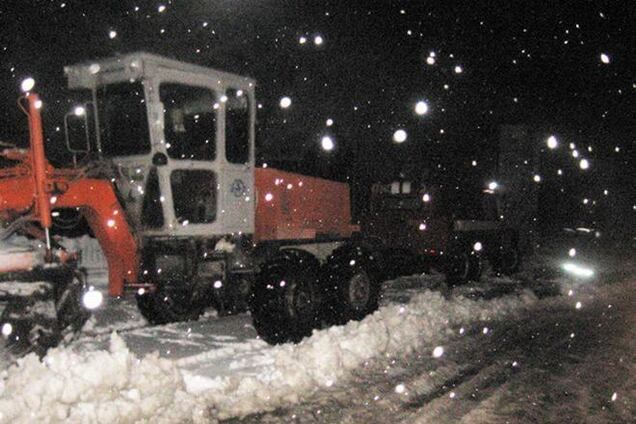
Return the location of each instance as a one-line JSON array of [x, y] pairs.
[[43, 306]]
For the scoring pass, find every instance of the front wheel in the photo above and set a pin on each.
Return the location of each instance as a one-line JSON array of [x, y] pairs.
[[462, 266], [508, 261], [171, 301]]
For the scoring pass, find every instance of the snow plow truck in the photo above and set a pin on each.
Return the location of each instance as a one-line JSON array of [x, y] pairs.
[[163, 172]]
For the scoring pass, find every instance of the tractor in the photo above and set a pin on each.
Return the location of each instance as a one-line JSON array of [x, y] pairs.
[[163, 172], [443, 228]]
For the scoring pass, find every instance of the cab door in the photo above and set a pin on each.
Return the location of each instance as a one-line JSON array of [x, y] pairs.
[[237, 166]]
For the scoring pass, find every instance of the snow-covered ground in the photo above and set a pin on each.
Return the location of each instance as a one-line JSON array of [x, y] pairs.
[[217, 368], [555, 363]]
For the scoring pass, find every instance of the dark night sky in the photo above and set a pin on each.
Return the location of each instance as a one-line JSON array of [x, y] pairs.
[[533, 63]]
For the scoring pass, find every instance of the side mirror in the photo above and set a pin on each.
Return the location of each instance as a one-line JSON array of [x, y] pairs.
[[159, 159], [78, 129]]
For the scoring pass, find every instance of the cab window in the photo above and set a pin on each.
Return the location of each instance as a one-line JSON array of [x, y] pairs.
[[123, 119], [190, 117], [237, 126]]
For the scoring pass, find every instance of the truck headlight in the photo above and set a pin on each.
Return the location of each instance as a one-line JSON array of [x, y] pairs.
[[577, 270]]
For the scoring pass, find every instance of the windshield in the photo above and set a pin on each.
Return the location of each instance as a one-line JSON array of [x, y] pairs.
[[123, 120]]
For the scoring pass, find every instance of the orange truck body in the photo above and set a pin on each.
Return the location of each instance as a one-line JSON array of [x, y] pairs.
[[292, 206]]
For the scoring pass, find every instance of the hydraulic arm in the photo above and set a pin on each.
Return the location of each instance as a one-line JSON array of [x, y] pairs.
[[32, 188]]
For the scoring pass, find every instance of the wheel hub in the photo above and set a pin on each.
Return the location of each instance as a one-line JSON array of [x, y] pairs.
[[359, 290], [302, 302]]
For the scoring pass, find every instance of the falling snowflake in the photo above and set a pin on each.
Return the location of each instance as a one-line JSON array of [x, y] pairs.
[[399, 136], [421, 108], [285, 102], [438, 352], [605, 58], [27, 84], [327, 143]]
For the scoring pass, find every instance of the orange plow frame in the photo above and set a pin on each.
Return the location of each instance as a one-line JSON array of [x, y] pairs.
[[32, 188]]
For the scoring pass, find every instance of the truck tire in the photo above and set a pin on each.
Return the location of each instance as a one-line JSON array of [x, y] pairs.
[[171, 301], [353, 284], [174, 298], [44, 309], [462, 266], [507, 261], [285, 301]]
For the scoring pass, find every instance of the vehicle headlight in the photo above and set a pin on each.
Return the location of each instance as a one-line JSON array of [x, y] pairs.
[[92, 299], [577, 270]]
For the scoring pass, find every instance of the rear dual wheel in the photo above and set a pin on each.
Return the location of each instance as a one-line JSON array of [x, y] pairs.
[[355, 291], [285, 304], [294, 293]]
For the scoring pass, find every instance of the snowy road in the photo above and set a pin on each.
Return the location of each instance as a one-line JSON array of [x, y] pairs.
[[491, 352], [561, 365]]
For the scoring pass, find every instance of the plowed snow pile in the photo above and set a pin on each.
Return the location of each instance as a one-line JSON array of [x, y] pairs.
[[115, 386]]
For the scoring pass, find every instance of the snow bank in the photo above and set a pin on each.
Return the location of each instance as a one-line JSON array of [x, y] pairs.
[[330, 355], [108, 386], [99, 386]]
